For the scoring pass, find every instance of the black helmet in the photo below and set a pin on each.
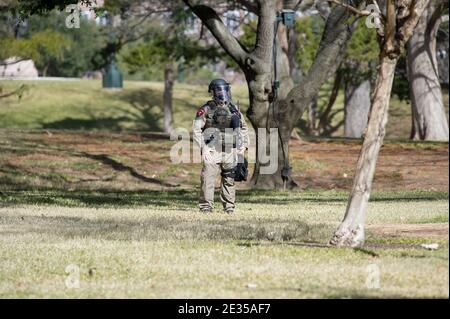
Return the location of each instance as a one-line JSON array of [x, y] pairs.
[[220, 90]]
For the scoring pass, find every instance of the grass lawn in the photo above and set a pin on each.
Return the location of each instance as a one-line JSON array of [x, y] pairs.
[[84, 105], [110, 209], [273, 247]]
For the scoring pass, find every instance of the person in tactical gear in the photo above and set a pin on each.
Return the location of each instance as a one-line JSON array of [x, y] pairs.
[[221, 133]]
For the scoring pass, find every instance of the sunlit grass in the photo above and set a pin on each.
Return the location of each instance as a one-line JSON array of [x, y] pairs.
[[275, 243], [61, 205], [83, 104]]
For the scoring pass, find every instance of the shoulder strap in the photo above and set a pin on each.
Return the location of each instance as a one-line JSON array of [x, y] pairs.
[[234, 110]]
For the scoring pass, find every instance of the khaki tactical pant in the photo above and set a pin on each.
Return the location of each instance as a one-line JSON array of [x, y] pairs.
[[223, 162]]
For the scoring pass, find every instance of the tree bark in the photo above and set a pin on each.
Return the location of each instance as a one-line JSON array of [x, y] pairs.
[[273, 181], [356, 107], [397, 30], [429, 119], [351, 231], [292, 55], [312, 117], [332, 47], [273, 118], [168, 97], [45, 70], [325, 127]]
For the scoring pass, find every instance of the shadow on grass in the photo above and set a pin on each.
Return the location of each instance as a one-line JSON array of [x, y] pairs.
[[100, 198], [28, 185], [333, 292], [328, 291], [9, 172], [100, 123], [153, 227], [179, 198], [141, 110], [117, 166]]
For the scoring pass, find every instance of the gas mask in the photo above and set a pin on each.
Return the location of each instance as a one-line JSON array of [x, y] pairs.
[[222, 95], [220, 91]]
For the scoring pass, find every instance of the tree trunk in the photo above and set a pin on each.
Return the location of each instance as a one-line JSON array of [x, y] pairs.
[[264, 114], [274, 117], [429, 118], [273, 180], [356, 107], [293, 102], [45, 70], [312, 117], [264, 110], [351, 231], [292, 56], [325, 127], [393, 35], [168, 97]]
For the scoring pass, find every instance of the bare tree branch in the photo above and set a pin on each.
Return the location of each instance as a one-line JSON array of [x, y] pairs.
[[329, 55], [295, 8], [250, 5], [11, 62], [416, 9], [390, 27], [17, 92], [229, 43], [265, 34], [325, 117], [349, 7]]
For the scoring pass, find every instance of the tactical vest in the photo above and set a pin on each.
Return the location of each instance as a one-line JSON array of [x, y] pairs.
[[219, 118]]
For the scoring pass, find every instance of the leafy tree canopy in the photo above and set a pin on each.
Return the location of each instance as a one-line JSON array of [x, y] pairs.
[[168, 43], [309, 32], [362, 54]]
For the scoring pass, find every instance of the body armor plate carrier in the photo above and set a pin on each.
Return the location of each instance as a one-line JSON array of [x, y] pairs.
[[219, 118]]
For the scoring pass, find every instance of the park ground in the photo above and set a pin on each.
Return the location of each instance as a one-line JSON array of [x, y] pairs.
[[113, 206]]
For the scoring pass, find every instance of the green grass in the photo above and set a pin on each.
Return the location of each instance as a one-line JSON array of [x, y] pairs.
[[156, 244], [94, 201], [85, 105]]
